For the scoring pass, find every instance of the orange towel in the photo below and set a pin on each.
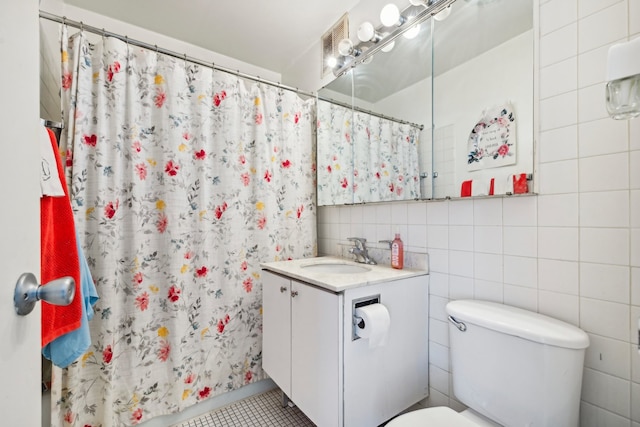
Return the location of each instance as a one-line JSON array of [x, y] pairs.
[[58, 257]]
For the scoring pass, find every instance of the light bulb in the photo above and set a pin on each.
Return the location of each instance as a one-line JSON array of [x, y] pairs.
[[367, 32], [418, 2], [412, 33], [345, 48], [443, 14], [390, 15], [388, 47], [332, 62]]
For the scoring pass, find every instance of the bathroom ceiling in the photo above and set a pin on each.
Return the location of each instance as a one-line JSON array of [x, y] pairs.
[[269, 34]]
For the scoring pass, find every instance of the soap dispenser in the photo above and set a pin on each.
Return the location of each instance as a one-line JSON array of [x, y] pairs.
[[397, 253]]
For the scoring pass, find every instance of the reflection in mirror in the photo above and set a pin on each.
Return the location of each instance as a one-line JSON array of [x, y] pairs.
[[472, 95], [364, 156], [483, 99]]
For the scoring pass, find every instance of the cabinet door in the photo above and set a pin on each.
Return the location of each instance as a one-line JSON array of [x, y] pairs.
[[316, 338], [276, 329]]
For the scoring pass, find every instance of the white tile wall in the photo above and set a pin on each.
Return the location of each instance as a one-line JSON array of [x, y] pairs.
[[558, 144], [573, 251], [558, 177], [558, 276], [521, 271], [607, 392], [608, 356], [605, 282], [603, 136], [592, 66], [559, 45], [557, 14], [559, 78], [604, 209]]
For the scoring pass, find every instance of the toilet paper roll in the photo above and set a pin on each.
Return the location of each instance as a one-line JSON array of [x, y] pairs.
[[376, 324]]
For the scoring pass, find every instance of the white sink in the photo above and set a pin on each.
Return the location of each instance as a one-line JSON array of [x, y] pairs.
[[335, 268]]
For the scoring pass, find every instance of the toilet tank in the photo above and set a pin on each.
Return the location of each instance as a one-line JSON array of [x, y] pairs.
[[514, 366]]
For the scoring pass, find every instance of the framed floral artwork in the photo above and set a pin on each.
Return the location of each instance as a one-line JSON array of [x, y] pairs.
[[492, 141]]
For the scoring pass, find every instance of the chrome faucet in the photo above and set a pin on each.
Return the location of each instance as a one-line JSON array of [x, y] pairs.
[[360, 250]]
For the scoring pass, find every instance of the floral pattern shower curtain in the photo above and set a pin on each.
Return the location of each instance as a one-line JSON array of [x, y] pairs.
[[182, 181], [386, 163], [364, 158]]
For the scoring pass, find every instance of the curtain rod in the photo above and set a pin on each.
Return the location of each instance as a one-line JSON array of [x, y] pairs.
[[101, 31], [372, 113]]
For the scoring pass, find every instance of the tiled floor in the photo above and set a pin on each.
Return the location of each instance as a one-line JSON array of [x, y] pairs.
[[262, 410]]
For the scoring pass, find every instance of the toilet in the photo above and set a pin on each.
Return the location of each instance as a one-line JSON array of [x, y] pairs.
[[510, 367]]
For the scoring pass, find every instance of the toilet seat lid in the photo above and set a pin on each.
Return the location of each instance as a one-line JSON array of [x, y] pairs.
[[437, 416]]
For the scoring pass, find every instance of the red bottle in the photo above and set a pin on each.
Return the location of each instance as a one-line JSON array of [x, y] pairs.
[[397, 253]]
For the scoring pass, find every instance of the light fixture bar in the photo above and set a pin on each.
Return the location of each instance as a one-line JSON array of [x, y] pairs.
[[430, 10]]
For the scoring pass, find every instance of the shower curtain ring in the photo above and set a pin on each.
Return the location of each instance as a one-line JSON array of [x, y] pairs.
[[81, 26]]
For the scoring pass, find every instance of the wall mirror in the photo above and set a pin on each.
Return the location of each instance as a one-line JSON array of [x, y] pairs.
[[447, 113]]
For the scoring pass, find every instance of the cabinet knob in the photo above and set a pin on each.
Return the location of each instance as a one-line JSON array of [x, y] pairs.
[[283, 289], [294, 294]]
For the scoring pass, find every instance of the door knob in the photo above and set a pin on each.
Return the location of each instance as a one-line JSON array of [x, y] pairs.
[[28, 292]]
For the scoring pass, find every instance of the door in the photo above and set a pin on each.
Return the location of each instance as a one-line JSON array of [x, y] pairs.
[[20, 394], [316, 353], [276, 329]]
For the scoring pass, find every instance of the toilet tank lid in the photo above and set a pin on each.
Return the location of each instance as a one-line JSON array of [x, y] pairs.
[[518, 322]]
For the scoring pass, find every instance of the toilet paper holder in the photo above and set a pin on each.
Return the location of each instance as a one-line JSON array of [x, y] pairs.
[[357, 321]]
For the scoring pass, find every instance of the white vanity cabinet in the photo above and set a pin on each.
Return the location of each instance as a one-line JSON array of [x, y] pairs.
[[310, 352], [301, 347]]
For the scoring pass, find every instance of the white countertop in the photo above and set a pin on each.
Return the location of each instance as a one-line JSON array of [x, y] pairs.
[[338, 282]]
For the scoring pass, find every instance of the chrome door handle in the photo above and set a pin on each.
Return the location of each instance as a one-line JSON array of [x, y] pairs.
[[283, 289], [28, 292], [294, 294]]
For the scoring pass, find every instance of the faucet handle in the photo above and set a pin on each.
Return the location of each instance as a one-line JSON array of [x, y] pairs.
[[389, 242], [358, 241]]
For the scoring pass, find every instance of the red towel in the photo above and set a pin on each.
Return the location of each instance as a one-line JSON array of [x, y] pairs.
[[58, 257]]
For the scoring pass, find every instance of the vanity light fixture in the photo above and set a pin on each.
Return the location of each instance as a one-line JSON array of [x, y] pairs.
[[440, 16], [412, 33], [368, 33], [388, 47], [346, 48], [393, 25], [335, 63], [390, 16], [443, 14], [623, 80]]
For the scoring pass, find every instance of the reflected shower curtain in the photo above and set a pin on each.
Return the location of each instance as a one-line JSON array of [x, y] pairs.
[[335, 154], [182, 181], [364, 158], [386, 165]]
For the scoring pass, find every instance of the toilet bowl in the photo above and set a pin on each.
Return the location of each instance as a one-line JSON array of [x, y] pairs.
[[509, 366], [441, 416]]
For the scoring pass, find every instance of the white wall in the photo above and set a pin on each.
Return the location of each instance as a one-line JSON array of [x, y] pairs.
[[573, 252]]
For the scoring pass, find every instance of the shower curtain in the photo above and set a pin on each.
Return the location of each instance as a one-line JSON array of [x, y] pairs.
[[183, 179], [365, 158]]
